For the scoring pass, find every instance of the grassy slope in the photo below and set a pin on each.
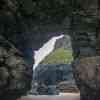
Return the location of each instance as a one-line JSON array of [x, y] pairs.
[[58, 56]]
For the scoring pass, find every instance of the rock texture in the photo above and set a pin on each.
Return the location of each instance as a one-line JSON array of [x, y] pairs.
[[28, 24], [15, 73], [62, 80], [86, 72], [85, 66], [60, 73], [64, 42], [68, 87]]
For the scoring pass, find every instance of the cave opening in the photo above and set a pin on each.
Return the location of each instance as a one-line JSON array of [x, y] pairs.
[[52, 69]]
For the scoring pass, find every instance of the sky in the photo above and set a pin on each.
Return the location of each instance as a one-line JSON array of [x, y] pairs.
[[45, 50]]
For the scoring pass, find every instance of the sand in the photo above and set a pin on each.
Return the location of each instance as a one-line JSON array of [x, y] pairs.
[[66, 96]]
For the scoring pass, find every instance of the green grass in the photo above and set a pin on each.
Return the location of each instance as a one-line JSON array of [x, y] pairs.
[[58, 56]]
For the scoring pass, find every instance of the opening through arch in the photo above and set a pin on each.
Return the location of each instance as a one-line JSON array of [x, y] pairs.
[[52, 69]]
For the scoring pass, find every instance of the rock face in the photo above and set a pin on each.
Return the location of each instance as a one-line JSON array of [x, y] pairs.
[[61, 72], [64, 42], [15, 73], [28, 24], [87, 72], [68, 87], [85, 66], [62, 79]]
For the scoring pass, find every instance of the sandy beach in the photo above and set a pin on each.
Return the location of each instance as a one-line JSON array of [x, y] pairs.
[[67, 96]]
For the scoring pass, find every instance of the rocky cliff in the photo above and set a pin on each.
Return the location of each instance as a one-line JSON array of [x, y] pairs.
[[62, 79], [15, 73], [27, 24]]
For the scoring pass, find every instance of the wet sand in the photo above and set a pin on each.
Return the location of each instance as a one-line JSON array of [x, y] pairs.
[[67, 96]]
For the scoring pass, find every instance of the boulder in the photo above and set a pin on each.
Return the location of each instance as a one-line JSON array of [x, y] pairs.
[[87, 75], [15, 73], [27, 23]]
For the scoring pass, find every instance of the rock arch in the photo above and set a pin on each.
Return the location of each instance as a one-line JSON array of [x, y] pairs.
[[82, 24]]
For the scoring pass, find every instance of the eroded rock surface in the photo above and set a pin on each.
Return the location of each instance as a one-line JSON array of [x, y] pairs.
[[87, 75], [15, 73], [26, 23]]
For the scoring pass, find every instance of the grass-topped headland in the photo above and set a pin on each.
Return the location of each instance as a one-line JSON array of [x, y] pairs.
[[58, 56]]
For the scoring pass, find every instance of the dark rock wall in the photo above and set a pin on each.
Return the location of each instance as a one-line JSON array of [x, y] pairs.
[[84, 23], [28, 24], [61, 72], [15, 73], [21, 19]]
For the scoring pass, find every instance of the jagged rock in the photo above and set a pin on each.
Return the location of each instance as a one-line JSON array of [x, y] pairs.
[[60, 73], [15, 76], [50, 85], [22, 25], [87, 75]]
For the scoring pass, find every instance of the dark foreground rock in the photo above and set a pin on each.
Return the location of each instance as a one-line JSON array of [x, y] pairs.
[[30, 21], [15, 74], [87, 75]]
